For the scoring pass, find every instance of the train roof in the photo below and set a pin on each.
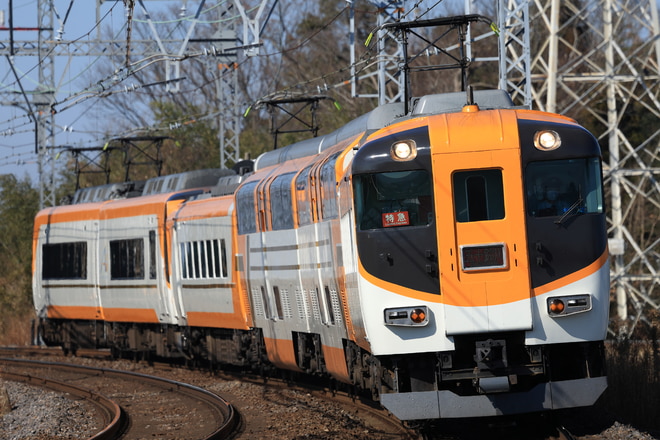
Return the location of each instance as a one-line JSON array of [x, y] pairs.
[[383, 116], [378, 118], [454, 102], [110, 191], [187, 180], [158, 185]]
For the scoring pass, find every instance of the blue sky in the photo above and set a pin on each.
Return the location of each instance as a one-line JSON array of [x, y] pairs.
[[80, 120]]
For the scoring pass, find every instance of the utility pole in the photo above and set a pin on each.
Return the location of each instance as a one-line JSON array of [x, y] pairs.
[[44, 97]]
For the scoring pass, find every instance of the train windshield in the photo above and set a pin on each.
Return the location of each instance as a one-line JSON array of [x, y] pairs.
[[562, 187], [393, 199]]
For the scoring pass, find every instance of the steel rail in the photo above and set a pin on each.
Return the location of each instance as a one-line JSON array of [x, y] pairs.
[[222, 407]]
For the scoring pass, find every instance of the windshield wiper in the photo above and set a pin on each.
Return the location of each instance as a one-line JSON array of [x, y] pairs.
[[578, 203]]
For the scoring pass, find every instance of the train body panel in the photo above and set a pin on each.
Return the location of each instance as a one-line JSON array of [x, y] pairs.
[[132, 281], [446, 404], [480, 295], [129, 290], [66, 288], [587, 322], [204, 276], [292, 272]]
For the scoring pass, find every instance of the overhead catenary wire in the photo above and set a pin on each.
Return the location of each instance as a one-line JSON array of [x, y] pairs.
[[115, 84]]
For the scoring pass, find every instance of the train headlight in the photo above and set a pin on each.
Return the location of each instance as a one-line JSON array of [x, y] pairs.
[[547, 140], [407, 316], [404, 150], [559, 306]]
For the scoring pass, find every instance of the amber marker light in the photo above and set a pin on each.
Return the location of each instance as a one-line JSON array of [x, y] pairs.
[[547, 140], [418, 316], [556, 306], [404, 150]]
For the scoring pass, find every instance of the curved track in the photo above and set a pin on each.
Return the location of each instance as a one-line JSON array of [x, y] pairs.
[[114, 418], [153, 405]]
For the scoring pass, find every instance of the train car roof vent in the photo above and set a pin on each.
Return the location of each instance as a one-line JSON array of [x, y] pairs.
[[454, 102], [187, 180], [110, 191]]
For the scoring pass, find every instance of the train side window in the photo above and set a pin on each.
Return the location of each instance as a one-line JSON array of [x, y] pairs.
[[64, 261], [184, 260], [329, 189], [223, 258], [203, 259], [190, 260], [127, 259], [478, 195], [303, 203], [245, 200], [393, 199], [281, 203], [152, 255], [195, 258], [278, 303]]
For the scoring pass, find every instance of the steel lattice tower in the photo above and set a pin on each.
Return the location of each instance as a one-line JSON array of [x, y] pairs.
[[597, 60], [602, 75]]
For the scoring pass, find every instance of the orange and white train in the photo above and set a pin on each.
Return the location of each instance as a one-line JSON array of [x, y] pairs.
[[452, 261]]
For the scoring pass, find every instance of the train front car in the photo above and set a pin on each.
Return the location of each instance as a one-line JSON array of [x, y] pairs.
[[483, 272]]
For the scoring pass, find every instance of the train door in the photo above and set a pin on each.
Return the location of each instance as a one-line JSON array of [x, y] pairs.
[[484, 269]]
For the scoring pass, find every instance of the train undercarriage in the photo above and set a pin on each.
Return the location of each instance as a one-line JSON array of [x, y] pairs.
[[484, 365]]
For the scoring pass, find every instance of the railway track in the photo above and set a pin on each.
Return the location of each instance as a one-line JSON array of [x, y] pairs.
[[133, 405], [114, 419], [281, 390]]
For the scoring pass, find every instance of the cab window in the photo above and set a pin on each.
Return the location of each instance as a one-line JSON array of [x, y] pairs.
[[393, 199], [556, 187]]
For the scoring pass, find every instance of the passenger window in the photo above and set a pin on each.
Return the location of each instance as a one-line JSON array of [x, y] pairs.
[[478, 195], [247, 219], [393, 199], [329, 189], [127, 259], [281, 205], [303, 203], [152, 255], [64, 261]]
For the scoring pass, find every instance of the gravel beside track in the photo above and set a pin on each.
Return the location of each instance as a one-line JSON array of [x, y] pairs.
[[38, 414]]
